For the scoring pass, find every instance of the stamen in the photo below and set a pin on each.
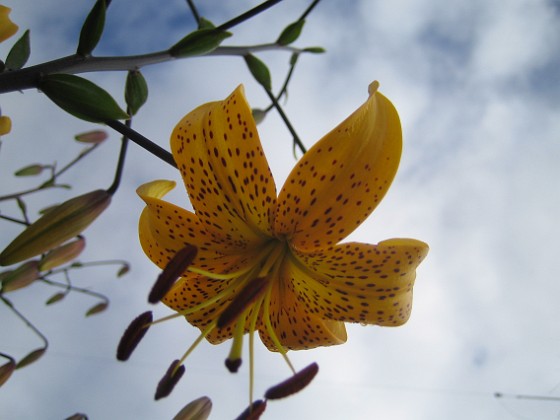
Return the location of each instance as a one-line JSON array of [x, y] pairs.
[[294, 384], [133, 334], [233, 362], [172, 271], [252, 326], [201, 337], [254, 411], [247, 296], [170, 379]]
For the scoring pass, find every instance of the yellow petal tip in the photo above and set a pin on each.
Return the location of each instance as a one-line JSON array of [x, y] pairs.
[[373, 86]]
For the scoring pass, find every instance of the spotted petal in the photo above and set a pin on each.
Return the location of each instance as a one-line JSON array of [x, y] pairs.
[[295, 324], [219, 154], [340, 180], [356, 282], [7, 27]]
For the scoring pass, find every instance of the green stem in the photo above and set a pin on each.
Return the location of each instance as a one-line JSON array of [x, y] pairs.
[[120, 164], [284, 117], [25, 320]]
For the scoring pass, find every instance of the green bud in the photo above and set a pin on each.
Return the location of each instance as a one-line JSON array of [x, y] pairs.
[[6, 371], [62, 254], [123, 270], [30, 170], [92, 29], [290, 33], [95, 309], [135, 91], [63, 222], [314, 50], [18, 55], [57, 297], [81, 98], [198, 409], [31, 357], [19, 278], [92, 137], [199, 42], [258, 115], [259, 70]]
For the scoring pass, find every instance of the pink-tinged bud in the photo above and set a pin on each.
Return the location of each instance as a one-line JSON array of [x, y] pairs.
[[172, 271], [63, 222], [62, 255], [98, 308], [247, 296], [92, 137], [254, 411], [169, 380], [133, 334], [6, 371], [198, 409], [294, 384], [57, 297], [19, 278]]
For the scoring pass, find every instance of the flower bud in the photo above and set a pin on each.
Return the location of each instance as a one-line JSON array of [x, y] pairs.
[[294, 384], [6, 371], [19, 278], [198, 409], [58, 225], [92, 137], [62, 254], [31, 357]]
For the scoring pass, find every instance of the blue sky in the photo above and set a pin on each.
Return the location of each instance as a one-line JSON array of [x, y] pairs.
[[476, 86]]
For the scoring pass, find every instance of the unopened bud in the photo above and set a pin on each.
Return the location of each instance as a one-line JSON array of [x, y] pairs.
[[125, 268], [77, 416], [97, 308], [30, 170], [198, 409], [253, 412], [169, 380], [92, 137], [62, 254], [133, 334], [6, 371], [59, 224], [31, 357], [19, 278], [172, 271], [294, 384]]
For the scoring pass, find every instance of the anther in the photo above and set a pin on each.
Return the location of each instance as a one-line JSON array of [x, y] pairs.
[[294, 384], [248, 295], [253, 412], [133, 334], [169, 380], [172, 271]]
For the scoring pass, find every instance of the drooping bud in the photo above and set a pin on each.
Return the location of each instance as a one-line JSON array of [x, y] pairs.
[[253, 412], [19, 278], [294, 384], [125, 268], [59, 224], [31, 357], [172, 271], [97, 308], [6, 371], [92, 137], [198, 409], [133, 334], [57, 297], [169, 380], [248, 295], [30, 170], [62, 254]]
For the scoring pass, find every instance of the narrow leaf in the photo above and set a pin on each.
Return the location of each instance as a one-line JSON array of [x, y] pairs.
[[199, 42], [92, 29], [259, 70], [30, 170], [18, 55], [81, 98], [291, 33]]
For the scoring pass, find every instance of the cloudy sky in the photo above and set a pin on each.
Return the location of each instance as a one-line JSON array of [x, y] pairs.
[[477, 86]]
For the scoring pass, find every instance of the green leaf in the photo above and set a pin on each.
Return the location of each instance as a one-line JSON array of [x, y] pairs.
[[135, 91], [95, 309], [290, 33], [30, 170], [204, 23], [81, 98], [31, 357], [18, 55], [259, 70], [92, 29], [199, 42]]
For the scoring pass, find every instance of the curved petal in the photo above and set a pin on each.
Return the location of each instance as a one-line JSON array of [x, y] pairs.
[[340, 180], [295, 324], [7, 27], [356, 282], [219, 154]]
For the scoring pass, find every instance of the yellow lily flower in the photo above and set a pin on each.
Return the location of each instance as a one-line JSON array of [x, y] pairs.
[[7, 27], [274, 264]]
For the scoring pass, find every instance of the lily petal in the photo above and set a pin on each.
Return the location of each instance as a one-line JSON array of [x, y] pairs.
[[219, 154], [340, 180], [356, 282], [7, 27], [294, 323]]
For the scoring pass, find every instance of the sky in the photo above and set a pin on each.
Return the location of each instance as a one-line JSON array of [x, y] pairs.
[[477, 88]]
